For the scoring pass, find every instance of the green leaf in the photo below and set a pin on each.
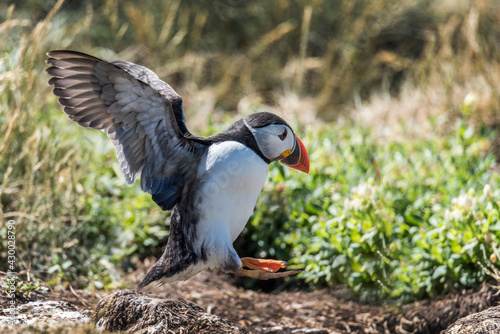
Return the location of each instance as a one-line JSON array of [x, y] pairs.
[[439, 271]]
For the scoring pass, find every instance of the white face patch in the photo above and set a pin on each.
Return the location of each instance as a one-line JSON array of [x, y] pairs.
[[275, 141]]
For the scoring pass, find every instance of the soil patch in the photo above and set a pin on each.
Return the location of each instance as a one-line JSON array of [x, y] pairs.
[[321, 311]]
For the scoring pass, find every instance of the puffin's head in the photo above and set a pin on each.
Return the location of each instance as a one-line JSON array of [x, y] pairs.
[[277, 141]]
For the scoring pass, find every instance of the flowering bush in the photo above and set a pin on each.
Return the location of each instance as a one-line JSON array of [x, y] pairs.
[[463, 207], [417, 232]]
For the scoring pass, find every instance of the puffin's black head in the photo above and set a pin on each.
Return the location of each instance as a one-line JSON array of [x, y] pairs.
[[277, 141]]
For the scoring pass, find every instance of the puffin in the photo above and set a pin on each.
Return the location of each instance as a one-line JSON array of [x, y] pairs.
[[211, 184]]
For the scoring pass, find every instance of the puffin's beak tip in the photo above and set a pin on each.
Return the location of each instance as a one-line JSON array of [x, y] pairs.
[[299, 159]]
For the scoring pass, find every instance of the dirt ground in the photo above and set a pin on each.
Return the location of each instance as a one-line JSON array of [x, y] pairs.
[[321, 311]]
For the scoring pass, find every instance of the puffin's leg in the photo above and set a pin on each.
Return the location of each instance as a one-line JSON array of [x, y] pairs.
[[263, 264], [264, 269]]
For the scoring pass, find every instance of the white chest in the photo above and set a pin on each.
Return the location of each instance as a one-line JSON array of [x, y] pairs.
[[233, 177]]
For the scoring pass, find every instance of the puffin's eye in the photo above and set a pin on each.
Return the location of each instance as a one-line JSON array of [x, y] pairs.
[[283, 135]]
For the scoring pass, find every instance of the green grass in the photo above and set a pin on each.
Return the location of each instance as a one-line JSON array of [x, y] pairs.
[[394, 76]]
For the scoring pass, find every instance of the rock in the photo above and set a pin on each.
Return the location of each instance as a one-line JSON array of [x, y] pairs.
[[43, 314], [485, 322], [137, 312], [433, 316]]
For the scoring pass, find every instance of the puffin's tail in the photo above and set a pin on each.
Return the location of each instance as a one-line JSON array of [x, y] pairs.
[[169, 269], [179, 261], [156, 273]]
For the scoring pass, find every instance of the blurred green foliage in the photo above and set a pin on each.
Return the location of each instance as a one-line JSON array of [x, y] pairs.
[[415, 229], [418, 233]]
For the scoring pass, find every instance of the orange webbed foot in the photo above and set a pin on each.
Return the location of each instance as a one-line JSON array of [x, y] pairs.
[[264, 269]]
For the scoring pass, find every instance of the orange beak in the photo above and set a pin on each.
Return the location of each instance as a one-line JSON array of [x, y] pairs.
[[298, 159]]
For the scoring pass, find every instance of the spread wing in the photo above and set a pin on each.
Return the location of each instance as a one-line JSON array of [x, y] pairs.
[[141, 114], [146, 75]]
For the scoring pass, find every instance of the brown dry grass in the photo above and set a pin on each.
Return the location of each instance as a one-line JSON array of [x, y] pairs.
[[458, 61]]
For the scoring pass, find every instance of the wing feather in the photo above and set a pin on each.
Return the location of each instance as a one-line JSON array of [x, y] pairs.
[[146, 75], [141, 114]]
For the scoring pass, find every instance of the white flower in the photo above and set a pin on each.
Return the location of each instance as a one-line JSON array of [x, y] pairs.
[[354, 204], [463, 206], [79, 188], [364, 191], [362, 195], [336, 197], [470, 99], [455, 214], [465, 202], [487, 191]]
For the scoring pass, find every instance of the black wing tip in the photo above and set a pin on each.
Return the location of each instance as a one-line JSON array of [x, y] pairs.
[[55, 55], [58, 61]]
